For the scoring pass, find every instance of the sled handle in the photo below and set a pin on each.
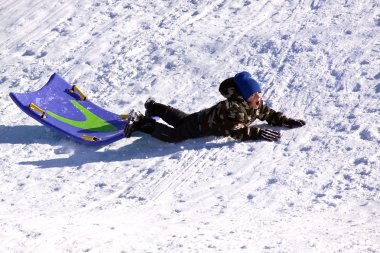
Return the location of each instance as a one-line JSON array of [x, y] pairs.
[[90, 138], [75, 88], [32, 107], [124, 117]]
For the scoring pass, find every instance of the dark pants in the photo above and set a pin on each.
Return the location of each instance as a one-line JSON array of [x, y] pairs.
[[185, 126]]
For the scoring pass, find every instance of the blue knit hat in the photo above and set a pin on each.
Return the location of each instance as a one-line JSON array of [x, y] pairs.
[[246, 84]]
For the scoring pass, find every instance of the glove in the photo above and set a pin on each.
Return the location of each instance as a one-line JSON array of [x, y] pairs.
[[292, 123], [269, 135]]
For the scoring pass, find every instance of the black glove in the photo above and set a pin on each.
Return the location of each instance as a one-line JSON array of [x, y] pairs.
[[292, 123], [269, 135]]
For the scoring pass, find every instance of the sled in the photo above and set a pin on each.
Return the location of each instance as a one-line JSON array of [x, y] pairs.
[[65, 108]]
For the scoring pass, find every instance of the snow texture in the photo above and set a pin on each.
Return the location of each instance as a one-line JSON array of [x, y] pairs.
[[317, 190]]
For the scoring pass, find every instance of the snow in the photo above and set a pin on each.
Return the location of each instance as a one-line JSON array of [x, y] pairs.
[[317, 190]]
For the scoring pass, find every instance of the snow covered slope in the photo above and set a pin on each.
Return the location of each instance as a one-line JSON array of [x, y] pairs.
[[317, 190]]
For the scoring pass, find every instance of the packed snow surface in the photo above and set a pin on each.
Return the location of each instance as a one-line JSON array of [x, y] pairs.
[[316, 190]]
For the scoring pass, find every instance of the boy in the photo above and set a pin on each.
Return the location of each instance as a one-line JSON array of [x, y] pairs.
[[230, 117]]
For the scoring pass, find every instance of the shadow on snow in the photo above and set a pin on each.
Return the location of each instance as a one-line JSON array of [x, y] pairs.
[[142, 147]]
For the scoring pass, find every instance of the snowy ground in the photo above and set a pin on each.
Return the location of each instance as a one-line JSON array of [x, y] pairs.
[[318, 190]]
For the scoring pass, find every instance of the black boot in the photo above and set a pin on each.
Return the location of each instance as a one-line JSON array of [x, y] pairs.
[[148, 105], [139, 122]]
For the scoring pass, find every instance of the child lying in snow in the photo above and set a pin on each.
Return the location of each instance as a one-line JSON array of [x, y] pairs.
[[230, 117]]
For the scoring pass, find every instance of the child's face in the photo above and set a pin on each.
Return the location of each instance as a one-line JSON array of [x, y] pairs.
[[255, 100]]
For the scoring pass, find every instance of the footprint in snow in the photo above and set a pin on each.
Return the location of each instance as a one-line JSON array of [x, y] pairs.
[[29, 53]]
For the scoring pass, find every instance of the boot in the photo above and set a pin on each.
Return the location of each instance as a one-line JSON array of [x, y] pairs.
[[148, 105], [139, 122]]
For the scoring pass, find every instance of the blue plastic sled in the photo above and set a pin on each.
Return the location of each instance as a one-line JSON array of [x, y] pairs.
[[66, 109]]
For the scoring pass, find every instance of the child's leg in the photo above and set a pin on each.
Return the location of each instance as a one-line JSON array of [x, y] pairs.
[[188, 130], [167, 113]]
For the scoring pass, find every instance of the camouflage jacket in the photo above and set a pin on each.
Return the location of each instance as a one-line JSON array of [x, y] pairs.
[[232, 117]]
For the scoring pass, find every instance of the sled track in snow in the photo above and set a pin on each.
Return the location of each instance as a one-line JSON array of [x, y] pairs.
[[182, 173], [173, 178], [44, 25]]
